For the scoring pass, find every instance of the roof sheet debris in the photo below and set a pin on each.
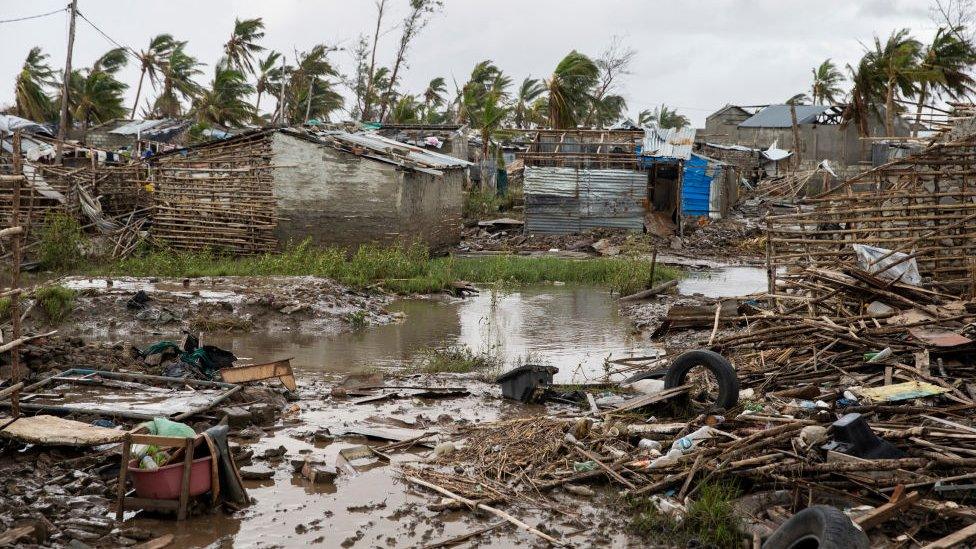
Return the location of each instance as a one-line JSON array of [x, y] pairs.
[[668, 143], [152, 130]]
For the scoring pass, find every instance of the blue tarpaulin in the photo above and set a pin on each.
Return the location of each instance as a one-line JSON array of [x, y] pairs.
[[696, 187]]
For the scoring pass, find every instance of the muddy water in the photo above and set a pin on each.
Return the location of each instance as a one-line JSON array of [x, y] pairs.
[[724, 282], [573, 328]]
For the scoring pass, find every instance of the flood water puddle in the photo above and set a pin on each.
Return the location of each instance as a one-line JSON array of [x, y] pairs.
[[724, 282], [571, 327]]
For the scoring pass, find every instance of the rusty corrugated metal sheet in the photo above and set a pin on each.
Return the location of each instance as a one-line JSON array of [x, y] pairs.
[[570, 200]]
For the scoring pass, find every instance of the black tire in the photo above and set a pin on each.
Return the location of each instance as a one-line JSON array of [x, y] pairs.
[[818, 527], [718, 365]]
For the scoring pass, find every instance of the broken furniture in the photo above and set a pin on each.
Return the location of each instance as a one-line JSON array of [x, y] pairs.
[[527, 383], [280, 369], [156, 489], [144, 397]]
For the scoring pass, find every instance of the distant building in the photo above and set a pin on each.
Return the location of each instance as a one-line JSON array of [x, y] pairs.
[[117, 134], [822, 135]]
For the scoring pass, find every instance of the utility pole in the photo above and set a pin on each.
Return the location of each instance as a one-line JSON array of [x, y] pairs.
[[64, 86], [281, 95]]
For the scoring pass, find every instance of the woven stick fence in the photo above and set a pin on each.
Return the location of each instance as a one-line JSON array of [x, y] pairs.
[[924, 205], [217, 197]]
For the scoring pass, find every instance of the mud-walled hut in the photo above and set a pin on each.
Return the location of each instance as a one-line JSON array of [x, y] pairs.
[[260, 190]]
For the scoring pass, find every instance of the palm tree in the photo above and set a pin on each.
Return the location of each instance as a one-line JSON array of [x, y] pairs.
[[663, 117], [897, 61], [95, 95], [489, 118], [528, 92], [485, 78], [151, 62], [31, 100], [433, 97], [178, 71], [944, 69], [225, 102], [309, 92], [242, 46], [826, 83], [866, 94], [406, 110], [569, 89], [607, 110], [263, 84]]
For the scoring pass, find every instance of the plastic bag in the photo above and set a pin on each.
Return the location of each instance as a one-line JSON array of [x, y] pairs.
[[904, 271]]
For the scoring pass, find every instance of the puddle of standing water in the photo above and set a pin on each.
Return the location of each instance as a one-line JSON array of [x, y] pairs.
[[573, 328], [724, 282]]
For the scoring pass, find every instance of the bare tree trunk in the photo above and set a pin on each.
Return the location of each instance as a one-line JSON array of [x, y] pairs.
[[257, 104], [380, 5], [385, 102], [918, 110], [135, 104], [890, 109]]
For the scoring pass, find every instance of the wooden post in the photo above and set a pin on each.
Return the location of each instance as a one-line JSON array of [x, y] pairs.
[[185, 485], [796, 137], [15, 373], [653, 266], [126, 450], [64, 87]]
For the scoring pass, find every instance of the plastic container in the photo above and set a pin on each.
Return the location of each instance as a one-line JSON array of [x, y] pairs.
[[526, 383], [165, 482]]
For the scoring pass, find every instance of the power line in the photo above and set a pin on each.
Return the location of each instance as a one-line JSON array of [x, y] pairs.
[[129, 51], [33, 16]]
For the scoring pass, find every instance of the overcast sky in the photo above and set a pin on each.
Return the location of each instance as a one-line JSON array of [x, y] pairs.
[[696, 55]]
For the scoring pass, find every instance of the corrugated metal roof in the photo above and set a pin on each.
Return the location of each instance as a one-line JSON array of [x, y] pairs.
[[778, 116], [668, 143], [568, 200], [387, 149], [151, 129]]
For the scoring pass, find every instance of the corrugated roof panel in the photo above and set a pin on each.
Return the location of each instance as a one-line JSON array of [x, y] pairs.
[[387, 146], [778, 116], [570, 200], [668, 143]]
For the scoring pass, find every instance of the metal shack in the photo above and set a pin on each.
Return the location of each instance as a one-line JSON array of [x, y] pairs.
[[257, 191], [577, 180], [642, 181]]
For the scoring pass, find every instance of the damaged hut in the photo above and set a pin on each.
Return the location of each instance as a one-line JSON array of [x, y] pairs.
[[643, 181], [260, 190]]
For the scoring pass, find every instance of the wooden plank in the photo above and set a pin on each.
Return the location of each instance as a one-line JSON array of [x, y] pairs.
[[280, 369], [884, 512], [646, 400], [955, 539]]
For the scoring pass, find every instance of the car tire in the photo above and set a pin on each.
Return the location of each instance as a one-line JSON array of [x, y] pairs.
[[818, 527], [718, 365]]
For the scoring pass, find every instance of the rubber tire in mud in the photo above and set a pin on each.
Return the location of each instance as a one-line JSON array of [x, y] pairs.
[[718, 365], [820, 526]]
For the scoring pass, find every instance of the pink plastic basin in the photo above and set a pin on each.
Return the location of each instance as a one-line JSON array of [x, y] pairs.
[[165, 482]]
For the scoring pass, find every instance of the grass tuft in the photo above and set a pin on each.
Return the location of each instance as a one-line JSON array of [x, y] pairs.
[[56, 302], [4, 308], [459, 360], [710, 521]]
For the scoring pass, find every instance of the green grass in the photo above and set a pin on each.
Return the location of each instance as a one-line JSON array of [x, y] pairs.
[[459, 360], [710, 520], [402, 269], [61, 242], [56, 302], [4, 308], [357, 320]]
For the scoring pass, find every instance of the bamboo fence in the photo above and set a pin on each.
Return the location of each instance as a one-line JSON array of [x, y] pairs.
[[924, 205], [216, 197]]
